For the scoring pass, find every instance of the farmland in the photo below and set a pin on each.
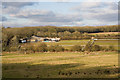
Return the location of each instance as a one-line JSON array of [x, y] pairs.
[[63, 64], [84, 42], [97, 64], [69, 43], [60, 65], [68, 60]]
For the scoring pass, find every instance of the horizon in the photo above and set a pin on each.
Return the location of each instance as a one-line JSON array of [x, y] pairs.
[[59, 14], [57, 26]]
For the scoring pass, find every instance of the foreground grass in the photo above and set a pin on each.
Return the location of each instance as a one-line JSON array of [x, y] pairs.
[[60, 65]]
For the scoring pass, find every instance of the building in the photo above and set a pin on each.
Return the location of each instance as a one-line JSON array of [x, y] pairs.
[[23, 40], [44, 39], [39, 39], [51, 39]]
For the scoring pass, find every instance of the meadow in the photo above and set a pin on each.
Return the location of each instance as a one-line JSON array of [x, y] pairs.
[[69, 43], [63, 64], [60, 65]]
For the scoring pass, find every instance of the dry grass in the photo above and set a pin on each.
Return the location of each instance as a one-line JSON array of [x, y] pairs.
[[45, 65]]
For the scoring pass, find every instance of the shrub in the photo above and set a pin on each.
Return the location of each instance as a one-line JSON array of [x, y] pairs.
[[96, 48], [55, 48], [27, 48], [111, 48], [105, 49], [76, 48], [40, 47], [13, 48], [34, 47], [51, 48], [59, 49]]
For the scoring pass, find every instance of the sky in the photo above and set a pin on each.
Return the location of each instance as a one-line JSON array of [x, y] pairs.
[[59, 13]]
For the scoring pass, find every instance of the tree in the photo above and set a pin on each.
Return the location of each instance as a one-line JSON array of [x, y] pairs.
[[76, 34], [51, 32], [7, 35], [41, 34], [67, 33], [14, 41], [61, 34], [13, 46], [89, 45]]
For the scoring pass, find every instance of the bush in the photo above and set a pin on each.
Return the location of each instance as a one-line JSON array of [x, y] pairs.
[[34, 47], [27, 48], [40, 47], [76, 48], [13, 48], [55, 48], [59, 48], [111, 48], [96, 48], [51, 48]]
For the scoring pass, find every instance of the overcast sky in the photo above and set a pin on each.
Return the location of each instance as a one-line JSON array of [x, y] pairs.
[[19, 14]]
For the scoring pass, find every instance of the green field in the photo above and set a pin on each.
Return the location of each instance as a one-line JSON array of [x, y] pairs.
[[60, 65], [70, 43], [84, 42]]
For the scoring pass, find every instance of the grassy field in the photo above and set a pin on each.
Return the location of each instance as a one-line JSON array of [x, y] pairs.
[[70, 43], [83, 42], [60, 65]]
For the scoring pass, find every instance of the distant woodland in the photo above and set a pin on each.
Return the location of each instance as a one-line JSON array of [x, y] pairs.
[[11, 36]]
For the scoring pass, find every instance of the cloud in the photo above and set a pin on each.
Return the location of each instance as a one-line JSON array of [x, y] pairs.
[[83, 14], [14, 7], [110, 17], [107, 11], [26, 13], [55, 18], [86, 6], [4, 18], [46, 16], [17, 4], [37, 23], [37, 14], [10, 10]]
